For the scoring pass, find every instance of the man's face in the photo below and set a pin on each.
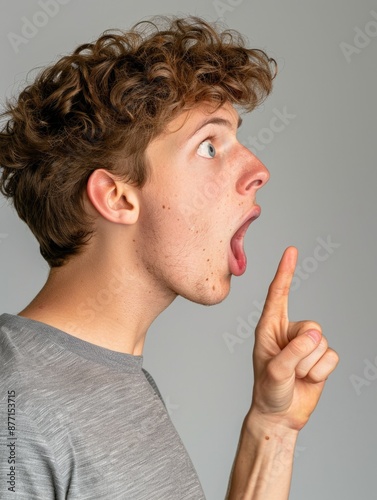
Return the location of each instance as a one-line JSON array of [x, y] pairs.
[[197, 204]]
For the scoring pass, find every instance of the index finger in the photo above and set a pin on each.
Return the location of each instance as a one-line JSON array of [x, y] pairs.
[[276, 303]]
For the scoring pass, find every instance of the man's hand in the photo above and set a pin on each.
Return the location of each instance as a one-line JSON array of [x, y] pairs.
[[291, 364], [291, 360]]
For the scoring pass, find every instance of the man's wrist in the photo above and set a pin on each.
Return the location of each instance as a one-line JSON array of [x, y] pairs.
[[263, 464], [266, 426]]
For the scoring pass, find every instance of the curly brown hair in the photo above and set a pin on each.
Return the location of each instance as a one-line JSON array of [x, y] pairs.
[[100, 107]]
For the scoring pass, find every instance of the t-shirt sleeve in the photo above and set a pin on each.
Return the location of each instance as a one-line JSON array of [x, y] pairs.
[[28, 469]]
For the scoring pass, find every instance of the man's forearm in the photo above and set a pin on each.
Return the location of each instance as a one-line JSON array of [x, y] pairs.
[[262, 468]]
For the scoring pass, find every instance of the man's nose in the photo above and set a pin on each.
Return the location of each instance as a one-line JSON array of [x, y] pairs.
[[254, 177]]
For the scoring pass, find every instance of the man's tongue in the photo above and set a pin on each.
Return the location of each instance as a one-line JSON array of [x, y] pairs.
[[238, 258]]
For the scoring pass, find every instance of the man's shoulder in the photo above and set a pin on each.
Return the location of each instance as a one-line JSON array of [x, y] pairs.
[[21, 347], [23, 364], [41, 370]]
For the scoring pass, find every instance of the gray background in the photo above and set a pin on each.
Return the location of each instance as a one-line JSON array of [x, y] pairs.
[[323, 183]]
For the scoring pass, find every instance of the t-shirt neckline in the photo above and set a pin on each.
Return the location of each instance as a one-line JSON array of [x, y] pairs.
[[66, 341]]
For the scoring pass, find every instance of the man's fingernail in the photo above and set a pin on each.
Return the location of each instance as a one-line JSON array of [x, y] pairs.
[[314, 335]]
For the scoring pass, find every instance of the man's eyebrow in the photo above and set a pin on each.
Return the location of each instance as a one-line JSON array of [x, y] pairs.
[[217, 121]]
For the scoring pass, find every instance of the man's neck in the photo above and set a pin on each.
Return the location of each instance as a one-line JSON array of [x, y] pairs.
[[112, 307]]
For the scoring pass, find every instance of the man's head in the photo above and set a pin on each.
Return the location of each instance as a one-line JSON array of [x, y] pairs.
[[100, 108]]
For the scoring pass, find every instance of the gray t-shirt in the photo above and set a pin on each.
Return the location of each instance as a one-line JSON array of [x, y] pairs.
[[78, 421]]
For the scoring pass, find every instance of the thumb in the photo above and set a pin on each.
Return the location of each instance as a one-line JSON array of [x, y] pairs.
[[284, 364]]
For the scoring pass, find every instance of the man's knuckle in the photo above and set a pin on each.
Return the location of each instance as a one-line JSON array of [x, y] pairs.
[[296, 348], [272, 372]]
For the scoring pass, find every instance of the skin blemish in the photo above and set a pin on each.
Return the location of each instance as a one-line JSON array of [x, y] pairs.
[[163, 206], [213, 288], [207, 279], [207, 260], [267, 438]]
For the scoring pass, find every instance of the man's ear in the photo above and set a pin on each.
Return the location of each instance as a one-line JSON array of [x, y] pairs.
[[117, 201]]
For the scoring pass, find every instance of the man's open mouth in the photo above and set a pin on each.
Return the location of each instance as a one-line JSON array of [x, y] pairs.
[[237, 258]]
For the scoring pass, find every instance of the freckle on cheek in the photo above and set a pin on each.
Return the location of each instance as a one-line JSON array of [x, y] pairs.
[[213, 288], [163, 206]]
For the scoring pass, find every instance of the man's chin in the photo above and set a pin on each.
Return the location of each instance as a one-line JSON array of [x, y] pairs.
[[209, 297]]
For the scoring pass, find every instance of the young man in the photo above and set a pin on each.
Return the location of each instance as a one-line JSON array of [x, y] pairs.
[[102, 156]]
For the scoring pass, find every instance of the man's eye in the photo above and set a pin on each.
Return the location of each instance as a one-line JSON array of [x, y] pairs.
[[207, 150]]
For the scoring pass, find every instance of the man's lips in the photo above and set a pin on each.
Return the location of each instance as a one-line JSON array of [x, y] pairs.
[[237, 257]]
